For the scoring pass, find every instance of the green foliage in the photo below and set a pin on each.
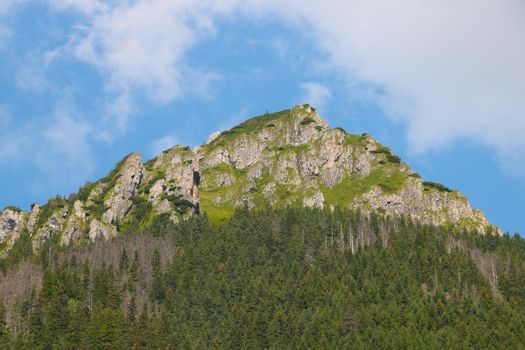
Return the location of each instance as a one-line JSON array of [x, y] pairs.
[[148, 165], [47, 210], [4, 332], [182, 205], [307, 120], [415, 175], [141, 208], [436, 186], [354, 140], [110, 179], [158, 176], [382, 150], [139, 216], [85, 191], [392, 158], [351, 188], [97, 207], [295, 278], [250, 126], [13, 208], [22, 249]]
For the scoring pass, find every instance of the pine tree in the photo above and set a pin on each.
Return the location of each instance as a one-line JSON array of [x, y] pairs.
[[4, 332], [123, 263]]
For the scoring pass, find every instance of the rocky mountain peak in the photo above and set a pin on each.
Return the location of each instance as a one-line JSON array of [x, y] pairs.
[[287, 158]]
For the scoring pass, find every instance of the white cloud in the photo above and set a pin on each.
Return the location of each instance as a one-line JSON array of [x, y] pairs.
[[162, 144], [31, 77], [66, 139], [443, 70], [316, 94], [141, 45], [57, 147], [117, 114], [7, 5], [6, 8], [86, 6], [448, 70]]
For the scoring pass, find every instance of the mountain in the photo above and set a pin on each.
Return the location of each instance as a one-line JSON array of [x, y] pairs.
[[279, 233], [288, 158]]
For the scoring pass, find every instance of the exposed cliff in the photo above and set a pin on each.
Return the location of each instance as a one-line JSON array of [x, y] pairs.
[[288, 158]]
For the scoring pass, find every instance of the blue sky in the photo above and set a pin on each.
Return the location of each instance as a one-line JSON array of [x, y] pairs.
[[85, 82]]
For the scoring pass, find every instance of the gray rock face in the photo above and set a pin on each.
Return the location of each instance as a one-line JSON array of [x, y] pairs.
[[12, 222], [308, 164], [118, 200], [74, 225], [426, 205], [316, 200], [53, 225], [33, 217], [286, 158], [245, 152], [173, 175], [213, 136], [305, 126], [100, 230]]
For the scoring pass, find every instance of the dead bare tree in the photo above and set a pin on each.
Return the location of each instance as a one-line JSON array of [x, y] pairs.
[[351, 238]]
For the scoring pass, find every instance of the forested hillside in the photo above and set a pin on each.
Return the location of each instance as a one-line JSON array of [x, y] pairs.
[[291, 278]]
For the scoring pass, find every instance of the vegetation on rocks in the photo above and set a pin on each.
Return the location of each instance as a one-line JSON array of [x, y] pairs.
[[285, 159], [349, 189], [436, 186], [51, 207], [13, 208], [250, 126]]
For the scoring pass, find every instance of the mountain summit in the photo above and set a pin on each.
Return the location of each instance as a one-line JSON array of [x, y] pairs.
[[288, 158]]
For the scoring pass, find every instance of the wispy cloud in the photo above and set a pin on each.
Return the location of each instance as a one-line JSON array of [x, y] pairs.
[[31, 75], [316, 94], [58, 147], [440, 69], [68, 147], [6, 6], [88, 7], [118, 111], [135, 45]]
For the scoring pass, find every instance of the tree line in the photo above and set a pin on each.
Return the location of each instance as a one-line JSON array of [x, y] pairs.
[[292, 278]]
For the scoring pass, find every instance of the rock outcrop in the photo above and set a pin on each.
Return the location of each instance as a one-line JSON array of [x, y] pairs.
[[118, 199], [293, 158], [12, 223], [283, 159]]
